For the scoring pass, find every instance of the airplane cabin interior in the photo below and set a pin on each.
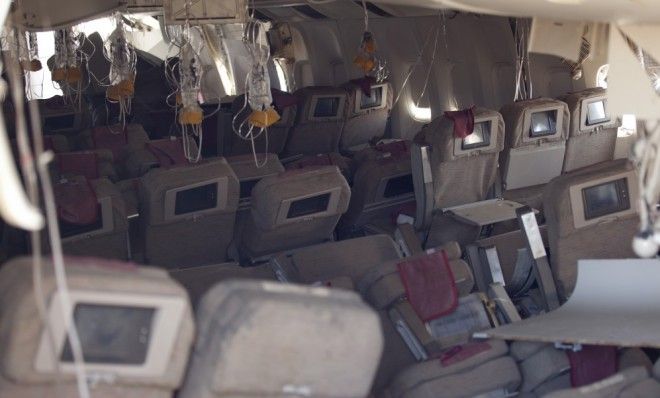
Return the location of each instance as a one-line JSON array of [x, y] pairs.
[[329, 198]]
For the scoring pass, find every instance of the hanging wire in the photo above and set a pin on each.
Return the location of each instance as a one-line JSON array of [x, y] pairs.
[[121, 77], [523, 70]]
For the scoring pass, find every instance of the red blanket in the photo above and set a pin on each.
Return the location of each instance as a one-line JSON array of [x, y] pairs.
[[463, 121]]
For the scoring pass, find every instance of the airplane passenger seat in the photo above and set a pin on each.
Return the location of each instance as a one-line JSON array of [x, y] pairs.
[[294, 209], [429, 313], [382, 187], [164, 152], [61, 117], [89, 164], [449, 170], [261, 339], [123, 315], [535, 144], [368, 109], [319, 123], [187, 213], [119, 141], [591, 213], [92, 218], [286, 106], [345, 165], [592, 134]]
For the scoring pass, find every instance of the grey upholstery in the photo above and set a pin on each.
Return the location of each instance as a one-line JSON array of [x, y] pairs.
[[527, 162], [277, 133], [278, 222], [629, 383], [587, 144], [110, 238], [457, 176], [312, 135], [484, 368], [365, 125], [134, 138], [375, 195], [26, 374], [271, 340], [608, 236], [194, 237]]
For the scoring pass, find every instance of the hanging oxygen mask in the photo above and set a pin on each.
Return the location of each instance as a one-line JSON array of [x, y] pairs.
[[66, 71], [190, 115], [367, 58], [258, 96], [28, 51], [123, 59]]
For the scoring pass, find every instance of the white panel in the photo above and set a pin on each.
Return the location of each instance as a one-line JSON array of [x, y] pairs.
[[529, 166], [645, 36], [615, 302], [629, 87], [204, 11], [560, 38], [51, 14]]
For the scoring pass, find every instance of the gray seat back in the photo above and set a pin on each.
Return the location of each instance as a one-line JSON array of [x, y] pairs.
[[319, 122], [446, 172], [590, 213], [366, 115], [272, 340], [536, 133], [187, 213], [123, 314], [592, 133], [295, 209]]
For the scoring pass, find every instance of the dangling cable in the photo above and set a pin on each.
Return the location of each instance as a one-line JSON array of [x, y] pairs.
[[367, 58], [523, 70]]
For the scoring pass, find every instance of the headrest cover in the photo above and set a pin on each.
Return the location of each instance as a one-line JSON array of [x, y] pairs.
[[266, 339], [168, 152], [592, 364], [92, 283], [282, 99], [429, 285], [463, 121], [517, 118], [76, 201], [364, 84], [83, 163]]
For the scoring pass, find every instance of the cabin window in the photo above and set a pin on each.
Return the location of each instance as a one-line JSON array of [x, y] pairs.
[[111, 334], [420, 114], [307, 206], [604, 199], [479, 138], [282, 76], [196, 199], [543, 124]]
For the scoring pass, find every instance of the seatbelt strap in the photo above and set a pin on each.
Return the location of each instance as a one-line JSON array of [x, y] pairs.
[[541, 266]]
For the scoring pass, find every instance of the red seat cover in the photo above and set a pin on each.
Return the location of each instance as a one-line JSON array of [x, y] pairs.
[[592, 364], [430, 285], [78, 163], [76, 202], [463, 121]]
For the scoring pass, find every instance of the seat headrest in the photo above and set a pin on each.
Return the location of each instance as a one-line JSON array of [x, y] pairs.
[[82, 163], [439, 134], [168, 152], [523, 128], [591, 195], [245, 167], [268, 339], [123, 314], [160, 188], [588, 111], [76, 201], [299, 195], [360, 92]]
